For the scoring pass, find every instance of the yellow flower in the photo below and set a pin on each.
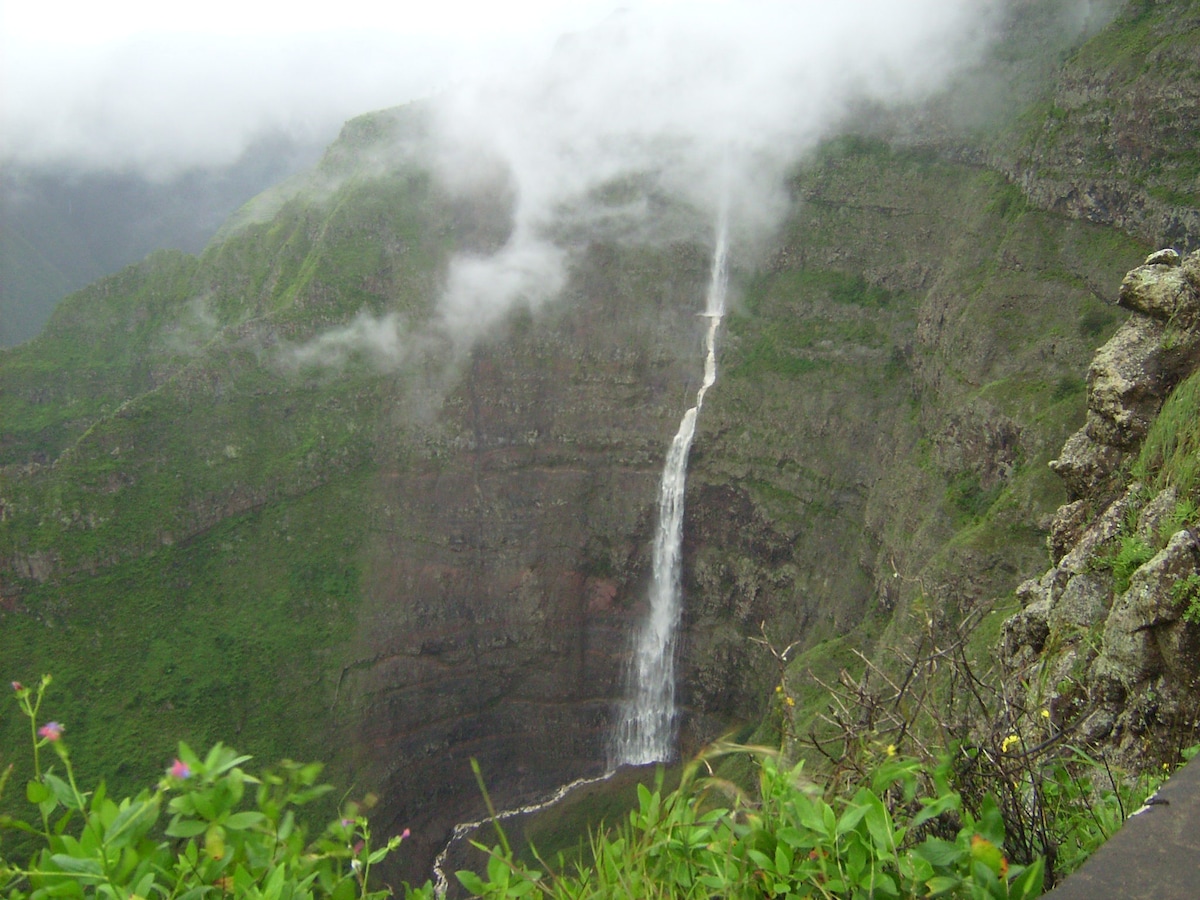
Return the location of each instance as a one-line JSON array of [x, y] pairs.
[[779, 689], [1009, 742], [891, 749], [1045, 713], [791, 702]]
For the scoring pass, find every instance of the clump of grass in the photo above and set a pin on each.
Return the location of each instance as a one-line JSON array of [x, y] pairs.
[[1171, 451], [1130, 556]]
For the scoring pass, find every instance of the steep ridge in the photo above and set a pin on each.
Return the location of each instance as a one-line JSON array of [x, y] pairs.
[[1115, 142]]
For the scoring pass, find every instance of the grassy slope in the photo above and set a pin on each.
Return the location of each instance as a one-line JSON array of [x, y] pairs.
[[206, 505]]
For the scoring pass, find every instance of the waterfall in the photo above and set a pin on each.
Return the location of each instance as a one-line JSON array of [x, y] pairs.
[[645, 729]]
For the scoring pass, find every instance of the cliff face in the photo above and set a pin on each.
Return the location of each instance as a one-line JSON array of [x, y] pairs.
[[1115, 142], [1108, 639], [321, 529]]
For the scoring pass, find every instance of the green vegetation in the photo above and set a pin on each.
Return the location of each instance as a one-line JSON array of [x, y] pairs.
[[900, 828], [199, 661], [1186, 593], [1170, 453], [84, 843], [1131, 554], [788, 842]]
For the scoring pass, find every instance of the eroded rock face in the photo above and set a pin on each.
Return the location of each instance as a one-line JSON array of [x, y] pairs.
[[509, 559], [1105, 626]]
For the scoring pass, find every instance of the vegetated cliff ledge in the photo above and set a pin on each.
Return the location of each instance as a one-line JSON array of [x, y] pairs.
[[1109, 640]]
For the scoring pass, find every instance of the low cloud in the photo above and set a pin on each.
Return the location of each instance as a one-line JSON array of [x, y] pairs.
[[380, 341], [160, 105], [704, 106]]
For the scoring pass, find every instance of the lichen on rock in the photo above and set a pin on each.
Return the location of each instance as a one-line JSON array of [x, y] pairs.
[[1104, 627]]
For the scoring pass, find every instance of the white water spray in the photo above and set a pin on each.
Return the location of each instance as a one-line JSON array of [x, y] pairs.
[[645, 730]]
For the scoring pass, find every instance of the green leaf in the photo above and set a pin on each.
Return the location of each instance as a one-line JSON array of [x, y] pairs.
[[938, 852], [940, 884], [130, 823], [68, 887], [62, 791], [761, 860], [36, 792], [852, 816], [934, 808], [470, 881], [243, 820], [345, 890], [377, 855], [1029, 883], [17, 825], [185, 828], [879, 824], [73, 864], [783, 861], [188, 756]]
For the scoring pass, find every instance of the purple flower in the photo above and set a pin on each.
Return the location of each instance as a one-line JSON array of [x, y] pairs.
[[51, 731], [180, 770]]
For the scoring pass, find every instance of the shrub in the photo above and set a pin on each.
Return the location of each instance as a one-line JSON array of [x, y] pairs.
[[86, 844], [792, 841]]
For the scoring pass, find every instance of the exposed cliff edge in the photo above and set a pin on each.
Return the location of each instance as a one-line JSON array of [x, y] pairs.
[[1106, 642]]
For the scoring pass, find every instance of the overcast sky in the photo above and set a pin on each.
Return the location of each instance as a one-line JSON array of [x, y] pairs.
[[157, 86], [710, 100]]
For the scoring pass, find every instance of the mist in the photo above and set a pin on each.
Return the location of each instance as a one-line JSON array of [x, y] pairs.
[[700, 105], [705, 106]]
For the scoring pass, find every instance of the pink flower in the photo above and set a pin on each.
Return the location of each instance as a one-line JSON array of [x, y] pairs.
[[405, 834], [17, 686], [180, 770], [51, 731]]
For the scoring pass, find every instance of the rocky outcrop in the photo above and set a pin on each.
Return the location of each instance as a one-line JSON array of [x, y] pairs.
[[1132, 374], [1103, 639]]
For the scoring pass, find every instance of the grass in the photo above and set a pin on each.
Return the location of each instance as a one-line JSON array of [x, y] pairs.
[[229, 636], [1170, 453]]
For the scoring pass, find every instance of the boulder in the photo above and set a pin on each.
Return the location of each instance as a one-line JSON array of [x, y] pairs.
[[1126, 386], [1083, 602], [1067, 527], [1132, 653], [1086, 467], [1161, 289]]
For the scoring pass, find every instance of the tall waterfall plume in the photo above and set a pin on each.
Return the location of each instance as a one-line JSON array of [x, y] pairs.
[[645, 731]]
